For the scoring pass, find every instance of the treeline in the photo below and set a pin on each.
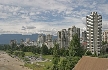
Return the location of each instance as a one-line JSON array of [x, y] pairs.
[[34, 49], [72, 55]]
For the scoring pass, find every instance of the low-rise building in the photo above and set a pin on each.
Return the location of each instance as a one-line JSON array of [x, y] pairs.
[[91, 63], [105, 36]]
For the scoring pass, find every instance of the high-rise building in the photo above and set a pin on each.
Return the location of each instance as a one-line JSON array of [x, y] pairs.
[[105, 36], [49, 38], [64, 36], [27, 40], [59, 38], [22, 41], [41, 39], [84, 36], [49, 41], [94, 32], [83, 40], [71, 32]]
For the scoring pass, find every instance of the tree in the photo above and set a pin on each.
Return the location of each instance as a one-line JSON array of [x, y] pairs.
[[38, 50], [104, 49], [13, 46], [103, 43], [6, 47], [10, 51], [22, 54], [50, 51], [68, 63], [55, 67], [19, 53], [62, 51], [56, 57], [71, 61], [21, 46], [63, 64], [44, 50], [103, 56], [75, 52], [75, 49], [88, 53]]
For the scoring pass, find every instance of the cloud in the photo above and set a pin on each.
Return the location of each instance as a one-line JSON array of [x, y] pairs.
[[84, 20], [39, 4], [103, 8], [1, 29], [105, 25], [34, 16]]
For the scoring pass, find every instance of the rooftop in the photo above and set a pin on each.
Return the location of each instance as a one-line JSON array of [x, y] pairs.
[[92, 63]]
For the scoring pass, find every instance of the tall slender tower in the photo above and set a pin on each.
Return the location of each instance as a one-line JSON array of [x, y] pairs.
[[94, 32], [71, 32], [84, 36], [63, 38]]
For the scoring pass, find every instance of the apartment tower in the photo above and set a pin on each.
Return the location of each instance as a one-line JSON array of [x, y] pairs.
[[65, 36], [94, 32], [72, 31], [84, 36], [62, 38]]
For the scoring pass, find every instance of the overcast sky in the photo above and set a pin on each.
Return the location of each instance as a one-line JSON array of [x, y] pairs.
[[48, 16]]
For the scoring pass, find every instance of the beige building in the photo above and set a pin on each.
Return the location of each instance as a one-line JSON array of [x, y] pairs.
[[40, 40], [49, 42], [105, 36]]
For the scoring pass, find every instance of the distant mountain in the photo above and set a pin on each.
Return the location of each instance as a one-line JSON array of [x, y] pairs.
[[5, 38]]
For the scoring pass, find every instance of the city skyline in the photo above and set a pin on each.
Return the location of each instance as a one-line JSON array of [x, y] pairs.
[[42, 16]]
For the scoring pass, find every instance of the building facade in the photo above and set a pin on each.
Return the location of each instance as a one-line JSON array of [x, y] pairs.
[[65, 36], [84, 36], [59, 38], [94, 32], [49, 42], [72, 31], [41, 39], [83, 40], [62, 38], [49, 38], [105, 36]]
